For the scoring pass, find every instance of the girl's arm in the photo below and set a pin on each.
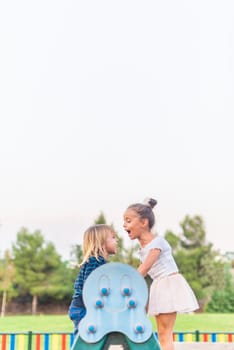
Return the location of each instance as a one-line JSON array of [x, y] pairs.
[[149, 261]]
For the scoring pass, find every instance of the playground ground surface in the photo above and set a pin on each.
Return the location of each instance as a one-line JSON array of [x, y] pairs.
[[61, 323]]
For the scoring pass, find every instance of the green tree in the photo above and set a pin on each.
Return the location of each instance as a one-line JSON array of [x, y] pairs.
[[130, 255], [101, 220], [60, 286], [222, 299], [193, 232], [173, 240], [76, 254], [7, 273], [36, 262], [197, 260]]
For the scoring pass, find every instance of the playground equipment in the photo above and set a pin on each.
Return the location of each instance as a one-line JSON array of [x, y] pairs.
[[115, 296]]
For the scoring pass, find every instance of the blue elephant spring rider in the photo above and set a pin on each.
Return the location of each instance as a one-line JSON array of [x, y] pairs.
[[115, 296]]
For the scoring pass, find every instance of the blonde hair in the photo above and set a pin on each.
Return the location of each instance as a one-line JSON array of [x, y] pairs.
[[94, 241]]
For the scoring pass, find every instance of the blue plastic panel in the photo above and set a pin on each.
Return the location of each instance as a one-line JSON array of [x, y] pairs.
[[115, 296]]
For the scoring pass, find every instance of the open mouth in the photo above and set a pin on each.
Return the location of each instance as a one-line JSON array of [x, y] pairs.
[[129, 233]]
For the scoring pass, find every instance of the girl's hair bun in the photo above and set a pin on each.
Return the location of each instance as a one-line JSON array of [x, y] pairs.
[[150, 202]]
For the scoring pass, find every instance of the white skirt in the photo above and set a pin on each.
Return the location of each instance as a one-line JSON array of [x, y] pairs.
[[171, 294]]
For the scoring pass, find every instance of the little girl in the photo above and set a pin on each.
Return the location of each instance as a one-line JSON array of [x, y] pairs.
[[99, 241], [169, 291]]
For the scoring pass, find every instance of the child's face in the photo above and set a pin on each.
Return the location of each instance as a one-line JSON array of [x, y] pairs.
[[111, 243], [133, 225]]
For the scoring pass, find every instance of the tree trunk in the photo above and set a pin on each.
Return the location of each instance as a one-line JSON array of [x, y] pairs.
[[4, 299], [34, 305]]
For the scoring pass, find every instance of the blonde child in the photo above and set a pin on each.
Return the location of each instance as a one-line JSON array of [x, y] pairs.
[[99, 242]]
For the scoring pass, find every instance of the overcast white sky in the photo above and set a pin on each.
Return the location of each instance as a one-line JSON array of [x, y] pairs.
[[104, 103]]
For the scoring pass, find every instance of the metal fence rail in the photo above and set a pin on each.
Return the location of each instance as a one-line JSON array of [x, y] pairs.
[[63, 341]]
